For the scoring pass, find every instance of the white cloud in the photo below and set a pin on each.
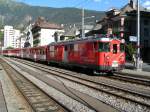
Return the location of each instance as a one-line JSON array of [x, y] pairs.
[[146, 3], [148, 7]]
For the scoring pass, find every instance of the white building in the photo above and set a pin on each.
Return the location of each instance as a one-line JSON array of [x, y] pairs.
[[16, 42], [10, 37], [22, 40], [47, 35], [43, 32]]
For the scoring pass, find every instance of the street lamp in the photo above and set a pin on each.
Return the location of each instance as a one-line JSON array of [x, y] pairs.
[[138, 36], [83, 19]]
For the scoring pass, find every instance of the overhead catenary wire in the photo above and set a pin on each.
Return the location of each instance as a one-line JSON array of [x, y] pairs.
[[82, 3]]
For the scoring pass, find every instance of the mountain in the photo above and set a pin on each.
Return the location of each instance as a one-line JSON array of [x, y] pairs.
[[19, 14]]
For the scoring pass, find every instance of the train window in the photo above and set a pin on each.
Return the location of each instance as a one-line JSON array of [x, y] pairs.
[[95, 45], [114, 48], [122, 48], [104, 47], [71, 47], [51, 48], [66, 48], [76, 47]]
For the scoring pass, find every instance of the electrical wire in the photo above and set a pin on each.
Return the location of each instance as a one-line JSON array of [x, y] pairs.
[[81, 3]]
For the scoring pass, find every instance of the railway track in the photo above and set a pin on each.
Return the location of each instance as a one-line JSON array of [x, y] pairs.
[[132, 79], [39, 101], [90, 102], [135, 94], [145, 81]]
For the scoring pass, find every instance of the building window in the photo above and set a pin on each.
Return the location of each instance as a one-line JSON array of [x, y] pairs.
[[146, 43], [146, 22], [146, 32]]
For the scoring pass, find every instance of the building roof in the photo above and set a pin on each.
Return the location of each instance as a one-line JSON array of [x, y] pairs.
[[42, 23], [97, 27], [71, 32], [128, 8]]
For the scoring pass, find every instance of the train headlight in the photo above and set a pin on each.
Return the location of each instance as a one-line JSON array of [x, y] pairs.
[[107, 57], [122, 58], [115, 64]]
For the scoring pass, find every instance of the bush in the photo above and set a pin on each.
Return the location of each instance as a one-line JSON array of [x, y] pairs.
[[9, 47]]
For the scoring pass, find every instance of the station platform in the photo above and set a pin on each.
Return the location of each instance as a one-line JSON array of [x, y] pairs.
[[3, 107], [143, 72], [136, 73]]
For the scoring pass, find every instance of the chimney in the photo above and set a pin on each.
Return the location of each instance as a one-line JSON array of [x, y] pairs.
[[133, 4]]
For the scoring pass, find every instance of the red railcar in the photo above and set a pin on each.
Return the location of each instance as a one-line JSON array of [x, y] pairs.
[[99, 53], [38, 53], [12, 52]]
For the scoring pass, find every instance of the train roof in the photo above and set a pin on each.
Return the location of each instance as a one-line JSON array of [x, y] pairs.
[[87, 39]]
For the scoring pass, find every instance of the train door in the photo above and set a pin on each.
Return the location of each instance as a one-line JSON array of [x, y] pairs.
[[44, 54], [65, 58], [104, 56], [21, 53], [115, 53], [34, 54]]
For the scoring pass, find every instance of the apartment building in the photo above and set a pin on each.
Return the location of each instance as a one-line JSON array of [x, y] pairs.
[[44, 32], [10, 37]]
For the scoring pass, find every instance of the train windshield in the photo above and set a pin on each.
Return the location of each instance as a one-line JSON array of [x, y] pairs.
[[122, 48], [104, 47], [114, 48]]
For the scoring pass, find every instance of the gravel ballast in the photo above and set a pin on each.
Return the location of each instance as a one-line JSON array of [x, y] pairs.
[[119, 103]]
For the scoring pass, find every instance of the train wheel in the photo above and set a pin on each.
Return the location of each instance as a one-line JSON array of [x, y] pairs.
[[109, 73], [99, 73]]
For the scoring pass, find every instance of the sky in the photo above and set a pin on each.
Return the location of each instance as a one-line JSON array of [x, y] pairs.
[[99, 5]]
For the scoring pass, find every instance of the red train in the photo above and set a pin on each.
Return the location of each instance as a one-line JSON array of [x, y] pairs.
[[95, 53]]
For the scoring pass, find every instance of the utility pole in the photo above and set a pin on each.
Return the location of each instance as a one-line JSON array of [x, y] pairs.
[[83, 33], [138, 35]]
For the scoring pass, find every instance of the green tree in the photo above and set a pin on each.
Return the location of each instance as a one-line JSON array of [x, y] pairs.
[[130, 50], [1, 35]]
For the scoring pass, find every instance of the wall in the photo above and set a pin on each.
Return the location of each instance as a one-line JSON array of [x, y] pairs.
[[47, 36]]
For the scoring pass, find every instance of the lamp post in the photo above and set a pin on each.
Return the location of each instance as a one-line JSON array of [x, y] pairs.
[[83, 21], [138, 36]]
